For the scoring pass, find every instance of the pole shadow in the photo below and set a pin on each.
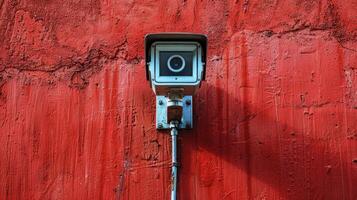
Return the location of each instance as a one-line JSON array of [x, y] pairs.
[[245, 147]]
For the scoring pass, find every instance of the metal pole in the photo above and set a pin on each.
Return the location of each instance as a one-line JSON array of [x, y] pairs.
[[174, 133]]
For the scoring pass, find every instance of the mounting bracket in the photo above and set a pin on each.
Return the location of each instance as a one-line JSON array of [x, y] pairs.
[[161, 113]]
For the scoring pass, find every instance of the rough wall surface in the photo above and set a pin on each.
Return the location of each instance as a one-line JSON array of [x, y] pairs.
[[276, 118]]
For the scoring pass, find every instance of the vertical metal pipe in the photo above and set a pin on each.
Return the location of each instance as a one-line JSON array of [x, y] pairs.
[[174, 134]]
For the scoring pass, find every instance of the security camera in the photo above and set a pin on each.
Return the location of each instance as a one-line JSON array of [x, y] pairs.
[[175, 67], [175, 60]]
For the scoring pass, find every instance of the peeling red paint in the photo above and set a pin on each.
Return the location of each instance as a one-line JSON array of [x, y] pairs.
[[275, 118]]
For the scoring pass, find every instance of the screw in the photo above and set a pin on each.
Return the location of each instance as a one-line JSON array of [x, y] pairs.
[[159, 125], [188, 102], [161, 103]]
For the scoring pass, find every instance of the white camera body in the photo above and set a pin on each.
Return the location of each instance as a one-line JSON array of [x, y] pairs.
[[175, 61]]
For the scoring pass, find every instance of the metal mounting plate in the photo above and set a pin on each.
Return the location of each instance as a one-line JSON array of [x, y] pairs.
[[161, 113]]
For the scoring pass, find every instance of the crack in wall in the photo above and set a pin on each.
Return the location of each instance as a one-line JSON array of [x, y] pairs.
[[77, 68]]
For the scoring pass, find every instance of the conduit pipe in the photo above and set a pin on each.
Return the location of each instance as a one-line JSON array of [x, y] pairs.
[[174, 133]]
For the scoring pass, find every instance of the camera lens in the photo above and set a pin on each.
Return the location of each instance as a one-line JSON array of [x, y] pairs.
[[176, 63]]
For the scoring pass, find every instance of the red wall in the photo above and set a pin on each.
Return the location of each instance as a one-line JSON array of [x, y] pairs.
[[276, 118]]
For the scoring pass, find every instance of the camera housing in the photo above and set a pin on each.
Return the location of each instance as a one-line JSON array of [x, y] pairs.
[[175, 60], [175, 67]]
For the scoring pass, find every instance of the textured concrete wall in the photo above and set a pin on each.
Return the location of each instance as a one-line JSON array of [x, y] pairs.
[[276, 118]]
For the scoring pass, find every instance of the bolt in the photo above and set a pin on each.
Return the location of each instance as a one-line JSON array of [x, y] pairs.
[[160, 125], [188, 102], [161, 103]]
